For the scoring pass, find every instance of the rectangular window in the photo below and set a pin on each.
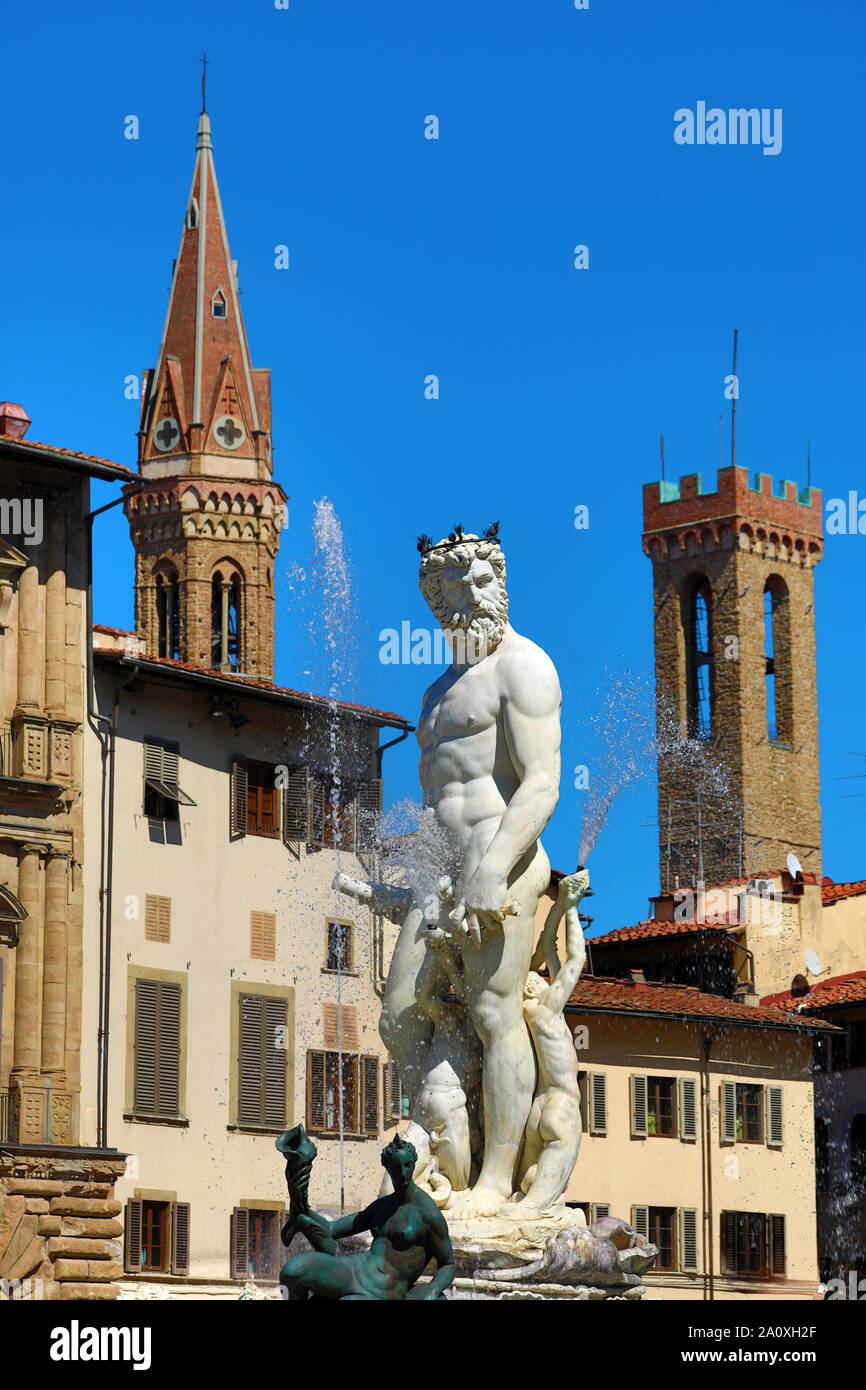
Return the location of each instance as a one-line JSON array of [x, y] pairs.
[[262, 1061], [347, 1081], [744, 1242], [262, 802], [148, 1247], [156, 1087], [162, 793], [341, 1080], [154, 1226], [396, 1103], [339, 949], [157, 918], [263, 935], [661, 1107], [750, 1114], [662, 1232]]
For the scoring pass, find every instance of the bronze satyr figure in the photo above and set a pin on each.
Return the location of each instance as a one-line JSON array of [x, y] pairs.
[[408, 1230]]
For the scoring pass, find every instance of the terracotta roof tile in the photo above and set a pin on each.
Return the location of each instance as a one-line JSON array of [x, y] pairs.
[[831, 892], [593, 993], [839, 989], [66, 453], [655, 927], [241, 683]]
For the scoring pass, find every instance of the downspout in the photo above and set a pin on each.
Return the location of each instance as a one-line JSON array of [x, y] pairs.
[[707, 1040], [105, 730], [378, 950]]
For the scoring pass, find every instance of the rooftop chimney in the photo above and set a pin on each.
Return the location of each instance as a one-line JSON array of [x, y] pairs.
[[14, 420], [638, 979]]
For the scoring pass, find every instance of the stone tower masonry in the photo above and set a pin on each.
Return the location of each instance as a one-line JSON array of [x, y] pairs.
[[206, 523], [735, 674]]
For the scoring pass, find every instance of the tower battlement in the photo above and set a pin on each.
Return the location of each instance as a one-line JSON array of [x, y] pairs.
[[796, 513]]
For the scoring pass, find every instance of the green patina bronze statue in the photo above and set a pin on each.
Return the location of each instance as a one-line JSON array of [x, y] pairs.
[[408, 1230]]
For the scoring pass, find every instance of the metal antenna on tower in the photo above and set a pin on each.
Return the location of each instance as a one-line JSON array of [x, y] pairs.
[[808, 463], [203, 61], [734, 391], [662, 444]]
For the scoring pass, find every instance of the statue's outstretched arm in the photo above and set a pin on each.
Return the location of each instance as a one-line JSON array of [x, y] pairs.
[[559, 992]]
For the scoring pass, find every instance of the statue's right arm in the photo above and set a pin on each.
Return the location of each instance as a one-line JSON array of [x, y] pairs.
[[354, 1222]]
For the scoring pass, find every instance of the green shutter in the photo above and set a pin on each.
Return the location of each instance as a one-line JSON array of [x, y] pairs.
[[688, 1108], [728, 1113], [640, 1220], [598, 1102], [688, 1230], [775, 1117], [639, 1123]]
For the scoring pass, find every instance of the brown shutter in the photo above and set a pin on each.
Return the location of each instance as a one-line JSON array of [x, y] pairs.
[[157, 918], [296, 807], [315, 1091], [274, 1080], [350, 1094], [777, 1245], [263, 935], [317, 813], [340, 1027], [387, 1101], [239, 786], [239, 1257], [728, 1238], [250, 1061], [168, 1040], [144, 1062], [368, 812], [132, 1237], [180, 1238], [370, 1095]]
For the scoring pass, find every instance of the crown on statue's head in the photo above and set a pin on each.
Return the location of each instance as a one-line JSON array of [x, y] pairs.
[[458, 537]]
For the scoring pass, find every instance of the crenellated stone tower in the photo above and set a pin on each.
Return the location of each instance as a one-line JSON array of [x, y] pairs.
[[735, 674], [206, 523]]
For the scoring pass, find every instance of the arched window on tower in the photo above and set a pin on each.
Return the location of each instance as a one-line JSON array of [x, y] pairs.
[[777, 660], [225, 621], [168, 616], [700, 685]]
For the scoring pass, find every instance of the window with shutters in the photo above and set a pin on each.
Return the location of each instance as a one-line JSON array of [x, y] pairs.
[[662, 1232], [661, 1108], [752, 1243], [156, 1057], [750, 1114], [342, 1093], [255, 1244], [157, 918], [263, 815], [154, 1228], [263, 935], [339, 950], [156, 1237], [162, 792], [262, 1061]]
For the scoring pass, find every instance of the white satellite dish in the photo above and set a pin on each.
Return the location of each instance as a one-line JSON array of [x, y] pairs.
[[795, 868], [813, 962]]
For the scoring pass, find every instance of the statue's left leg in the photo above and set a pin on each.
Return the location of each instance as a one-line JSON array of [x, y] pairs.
[[319, 1276], [559, 1131]]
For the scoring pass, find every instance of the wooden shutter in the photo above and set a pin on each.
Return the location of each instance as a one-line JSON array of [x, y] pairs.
[[275, 1058], [132, 1237], [777, 1244], [392, 1109], [640, 1220], [315, 1091], [688, 1232], [157, 918], [727, 1113], [340, 1027], [688, 1108], [597, 1210], [639, 1121], [170, 765], [263, 935], [316, 835], [296, 807], [368, 812], [239, 790], [728, 1242], [239, 1250], [775, 1117], [156, 1065], [598, 1102], [370, 1095], [180, 1238]]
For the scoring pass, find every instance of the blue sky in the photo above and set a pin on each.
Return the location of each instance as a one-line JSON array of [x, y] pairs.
[[455, 257]]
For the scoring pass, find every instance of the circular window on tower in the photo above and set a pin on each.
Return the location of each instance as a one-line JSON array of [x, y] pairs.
[[166, 435], [229, 432]]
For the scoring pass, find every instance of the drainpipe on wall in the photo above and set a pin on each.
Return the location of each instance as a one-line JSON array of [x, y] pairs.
[[378, 942], [707, 1041]]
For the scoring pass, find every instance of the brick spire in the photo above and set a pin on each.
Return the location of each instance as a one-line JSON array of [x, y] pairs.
[[204, 407]]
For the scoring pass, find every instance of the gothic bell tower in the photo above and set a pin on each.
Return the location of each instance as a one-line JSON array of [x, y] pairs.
[[734, 625], [206, 523]]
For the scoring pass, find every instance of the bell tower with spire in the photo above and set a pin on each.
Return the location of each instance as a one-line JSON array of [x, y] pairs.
[[205, 524]]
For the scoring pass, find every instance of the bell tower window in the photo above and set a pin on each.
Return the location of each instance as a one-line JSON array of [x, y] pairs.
[[777, 661], [168, 616], [218, 306], [225, 621], [700, 693]]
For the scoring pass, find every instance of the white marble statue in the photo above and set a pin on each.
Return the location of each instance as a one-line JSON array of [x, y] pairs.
[[489, 734]]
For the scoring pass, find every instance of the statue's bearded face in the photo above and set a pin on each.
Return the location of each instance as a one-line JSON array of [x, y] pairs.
[[466, 591]]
